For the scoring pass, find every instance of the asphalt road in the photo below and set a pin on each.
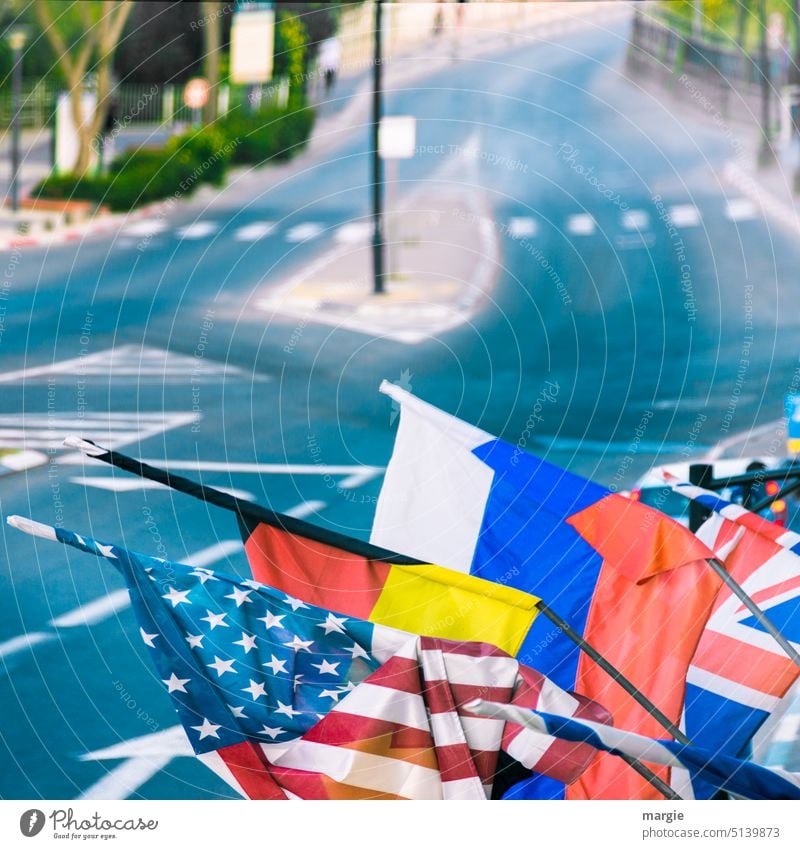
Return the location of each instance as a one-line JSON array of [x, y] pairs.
[[641, 326]]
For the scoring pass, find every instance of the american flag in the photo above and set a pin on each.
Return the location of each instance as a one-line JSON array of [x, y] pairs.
[[739, 673], [284, 699]]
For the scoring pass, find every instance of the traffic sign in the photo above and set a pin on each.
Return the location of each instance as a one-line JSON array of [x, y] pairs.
[[792, 406], [397, 136], [195, 95]]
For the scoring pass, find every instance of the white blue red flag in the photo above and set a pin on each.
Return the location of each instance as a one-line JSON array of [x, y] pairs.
[[287, 700], [626, 577], [732, 775], [739, 673]]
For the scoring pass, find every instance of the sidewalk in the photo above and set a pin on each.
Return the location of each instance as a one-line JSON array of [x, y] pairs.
[[442, 264]]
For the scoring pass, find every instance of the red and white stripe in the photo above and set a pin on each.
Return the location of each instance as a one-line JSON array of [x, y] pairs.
[[403, 733]]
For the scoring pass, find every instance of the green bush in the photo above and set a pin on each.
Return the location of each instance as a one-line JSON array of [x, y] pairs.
[[149, 174], [271, 134]]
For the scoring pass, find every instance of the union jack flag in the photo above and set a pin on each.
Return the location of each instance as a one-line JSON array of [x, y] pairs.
[[287, 700], [738, 673]]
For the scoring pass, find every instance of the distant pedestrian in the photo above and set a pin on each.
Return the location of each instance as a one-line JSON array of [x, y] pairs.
[[330, 56]]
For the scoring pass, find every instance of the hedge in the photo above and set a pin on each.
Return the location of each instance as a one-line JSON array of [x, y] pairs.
[[150, 174]]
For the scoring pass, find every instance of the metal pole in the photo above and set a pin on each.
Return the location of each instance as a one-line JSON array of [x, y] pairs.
[[765, 153], [16, 98], [700, 474], [378, 247], [759, 614]]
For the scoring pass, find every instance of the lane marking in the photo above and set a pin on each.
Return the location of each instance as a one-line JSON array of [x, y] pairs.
[[255, 231], [133, 484], [581, 225], [94, 611], [306, 508], [244, 468], [197, 230], [101, 608], [684, 215], [147, 227], [124, 780], [741, 209], [24, 641], [522, 227], [356, 480], [635, 219], [138, 361], [304, 232], [353, 233]]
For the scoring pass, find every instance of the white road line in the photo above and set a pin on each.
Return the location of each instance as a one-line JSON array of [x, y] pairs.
[[741, 209], [303, 232], [356, 480], [255, 231], [24, 641], [684, 215], [148, 227], [635, 219], [94, 611], [124, 780], [522, 227], [581, 225], [197, 230], [353, 233], [101, 608], [306, 508], [249, 468], [132, 484]]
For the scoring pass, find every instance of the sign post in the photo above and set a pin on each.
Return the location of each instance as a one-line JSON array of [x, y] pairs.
[[195, 96]]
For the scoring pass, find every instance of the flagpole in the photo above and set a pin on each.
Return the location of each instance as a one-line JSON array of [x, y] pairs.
[[246, 510], [766, 623]]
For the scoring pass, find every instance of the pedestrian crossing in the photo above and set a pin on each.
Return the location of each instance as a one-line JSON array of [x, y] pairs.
[[682, 216], [140, 364], [637, 227], [47, 431]]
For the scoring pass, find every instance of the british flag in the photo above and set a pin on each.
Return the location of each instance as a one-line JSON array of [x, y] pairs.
[[739, 673], [284, 699]]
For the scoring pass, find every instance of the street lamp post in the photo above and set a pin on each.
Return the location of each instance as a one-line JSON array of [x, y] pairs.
[[16, 39], [378, 246], [766, 152]]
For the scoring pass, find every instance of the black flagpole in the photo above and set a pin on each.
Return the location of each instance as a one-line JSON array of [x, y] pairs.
[[246, 510]]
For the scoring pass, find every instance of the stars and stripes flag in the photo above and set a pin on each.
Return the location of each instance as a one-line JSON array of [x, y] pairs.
[[741, 778], [739, 674], [284, 699]]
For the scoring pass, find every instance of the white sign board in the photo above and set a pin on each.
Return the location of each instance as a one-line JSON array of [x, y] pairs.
[[252, 46], [67, 141], [397, 136]]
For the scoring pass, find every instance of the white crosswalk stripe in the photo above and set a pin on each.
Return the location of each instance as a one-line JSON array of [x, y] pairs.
[[146, 227], [304, 232], [522, 227], [581, 225], [197, 230], [353, 232], [135, 363], [684, 215], [741, 209], [255, 231], [112, 430], [635, 219]]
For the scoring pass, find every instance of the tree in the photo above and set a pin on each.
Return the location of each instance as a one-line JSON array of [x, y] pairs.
[[212, 30], [84, 37]]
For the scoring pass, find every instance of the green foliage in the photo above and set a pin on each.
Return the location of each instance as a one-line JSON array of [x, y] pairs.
[[272, 134], [149, 174], [291, 49]]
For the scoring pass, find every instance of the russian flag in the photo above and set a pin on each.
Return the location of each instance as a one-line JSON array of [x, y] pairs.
[[628, 578]]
